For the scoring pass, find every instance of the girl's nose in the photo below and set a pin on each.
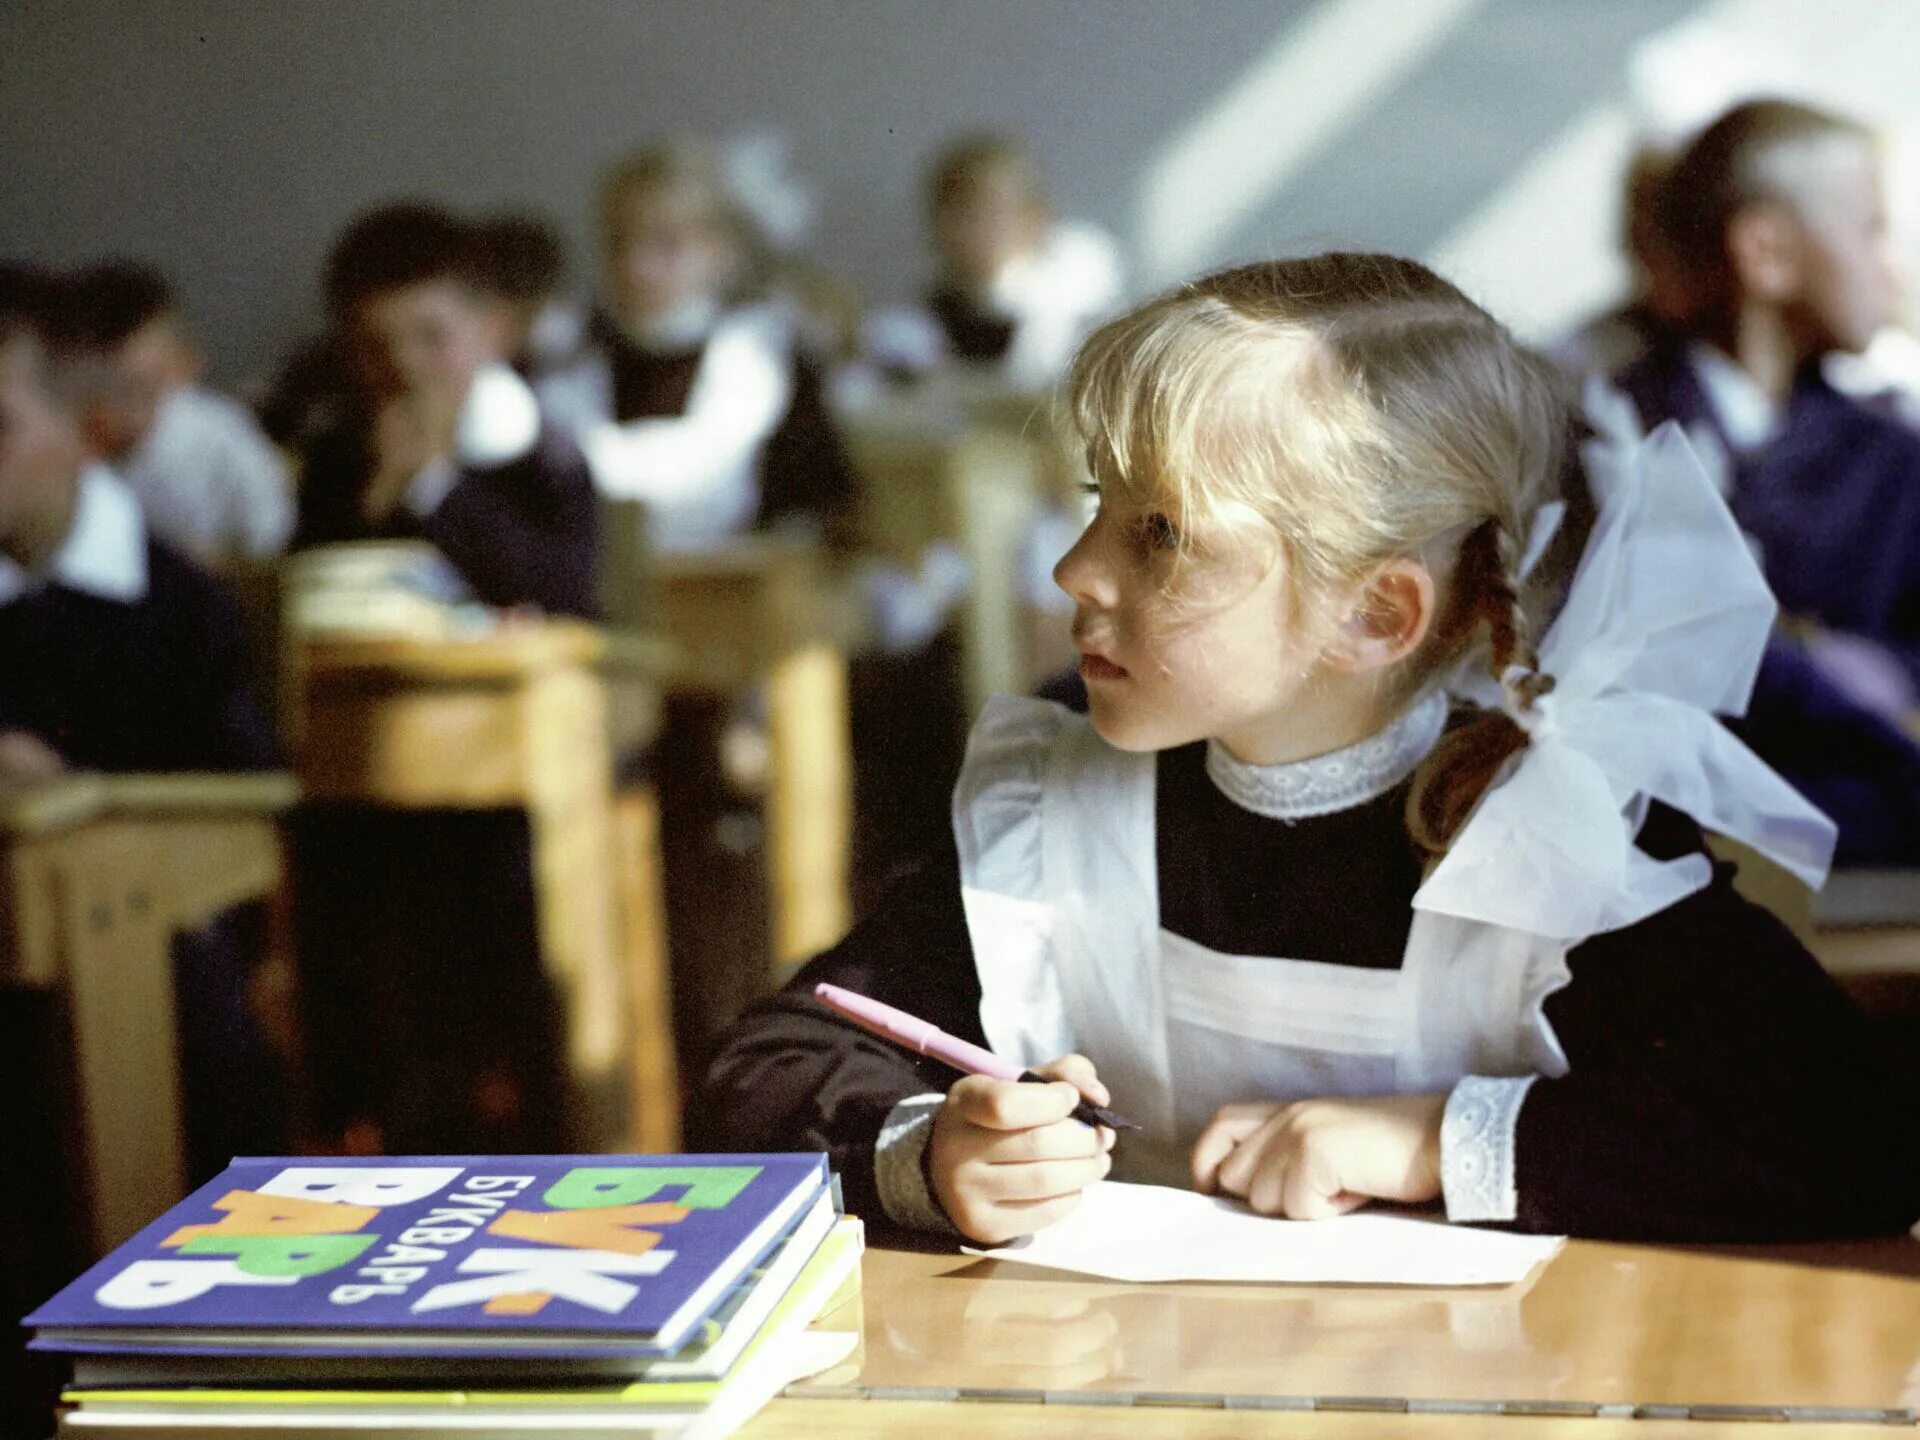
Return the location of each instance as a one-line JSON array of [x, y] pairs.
[[1084, 573]]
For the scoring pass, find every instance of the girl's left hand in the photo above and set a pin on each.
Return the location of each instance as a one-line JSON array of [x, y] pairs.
[[1313, 1159]]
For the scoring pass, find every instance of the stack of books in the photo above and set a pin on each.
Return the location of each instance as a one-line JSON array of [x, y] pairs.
[[564, 1295]]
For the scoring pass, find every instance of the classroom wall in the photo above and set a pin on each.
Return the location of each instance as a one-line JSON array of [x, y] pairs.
[[228, 139]]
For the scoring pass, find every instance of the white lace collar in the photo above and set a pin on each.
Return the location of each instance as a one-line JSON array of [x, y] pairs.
[[1300, 789]]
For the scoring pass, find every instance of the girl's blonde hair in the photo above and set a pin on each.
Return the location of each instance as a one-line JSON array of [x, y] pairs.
[[1364, 409]]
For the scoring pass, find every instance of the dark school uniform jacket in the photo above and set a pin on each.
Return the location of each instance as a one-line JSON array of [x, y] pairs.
[[1833, 500], [973, 332], [154, 684], [525, 532], [1720, 1087], [1834, 504]]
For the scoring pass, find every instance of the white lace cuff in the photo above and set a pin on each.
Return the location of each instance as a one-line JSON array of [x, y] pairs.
[[1476, 1147], [898, 1171]]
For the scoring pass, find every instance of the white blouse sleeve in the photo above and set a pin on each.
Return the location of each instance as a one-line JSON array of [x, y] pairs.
[[252, 478]]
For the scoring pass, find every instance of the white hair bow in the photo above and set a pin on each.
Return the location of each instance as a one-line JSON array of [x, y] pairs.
[[1664, 627]]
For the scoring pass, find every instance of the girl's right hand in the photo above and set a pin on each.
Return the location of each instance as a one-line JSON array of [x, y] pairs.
[[1005, 1159]]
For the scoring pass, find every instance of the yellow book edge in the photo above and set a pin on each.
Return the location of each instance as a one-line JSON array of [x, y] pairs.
[[825, 1282]]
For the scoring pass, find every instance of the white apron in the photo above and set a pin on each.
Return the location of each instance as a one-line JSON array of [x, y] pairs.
[[1059, 881]]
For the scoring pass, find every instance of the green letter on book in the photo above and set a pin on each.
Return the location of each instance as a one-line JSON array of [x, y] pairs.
[[281, 1255], [709, 1187]]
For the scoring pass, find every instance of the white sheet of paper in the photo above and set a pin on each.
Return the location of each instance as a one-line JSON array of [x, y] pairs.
[[1150, 1232]]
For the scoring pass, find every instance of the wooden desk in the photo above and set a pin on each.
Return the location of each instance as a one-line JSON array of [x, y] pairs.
[[519, 719], [931, 1420], [1604, 1333], [98, 875], [763, 612], [1867, 923], [978, 488]]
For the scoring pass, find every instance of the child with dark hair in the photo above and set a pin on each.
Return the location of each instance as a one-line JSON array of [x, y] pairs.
[[439, 438], [524, 265], [116, 654], [1658, 304], [207, 477], [436, 438], [1777, 219]]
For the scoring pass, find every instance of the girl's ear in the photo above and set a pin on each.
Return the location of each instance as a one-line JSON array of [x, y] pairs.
[[1390, 617]]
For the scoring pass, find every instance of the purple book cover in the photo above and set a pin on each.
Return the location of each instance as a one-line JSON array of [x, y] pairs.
[[527, 1254]]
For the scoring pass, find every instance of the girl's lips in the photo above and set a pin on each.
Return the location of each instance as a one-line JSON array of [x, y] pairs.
[[1098, 667]]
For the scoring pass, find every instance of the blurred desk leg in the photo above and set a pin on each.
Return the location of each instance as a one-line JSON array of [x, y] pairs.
[[100, 874], [655, 1119], [996, 482]]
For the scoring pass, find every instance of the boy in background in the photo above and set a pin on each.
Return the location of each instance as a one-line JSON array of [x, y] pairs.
[[1777, 219], [439, 438], [433, 1025], [209, 481], [116, 654]]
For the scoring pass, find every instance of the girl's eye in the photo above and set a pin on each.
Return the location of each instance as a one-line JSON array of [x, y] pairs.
[[1154, 532]]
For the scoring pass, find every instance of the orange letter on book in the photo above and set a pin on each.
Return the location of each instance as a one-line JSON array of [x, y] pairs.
[[608, 1228]]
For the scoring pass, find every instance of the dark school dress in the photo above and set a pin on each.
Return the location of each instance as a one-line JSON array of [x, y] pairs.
[[1720, 1087]]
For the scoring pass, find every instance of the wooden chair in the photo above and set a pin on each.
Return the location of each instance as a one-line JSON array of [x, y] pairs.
[[100, 873]]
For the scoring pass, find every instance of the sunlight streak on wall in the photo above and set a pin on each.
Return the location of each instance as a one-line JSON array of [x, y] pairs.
[[1288, 106]]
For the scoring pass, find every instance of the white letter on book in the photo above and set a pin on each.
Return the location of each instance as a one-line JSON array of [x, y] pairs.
[[362, 1185], [149, 1284], [581, 1276]]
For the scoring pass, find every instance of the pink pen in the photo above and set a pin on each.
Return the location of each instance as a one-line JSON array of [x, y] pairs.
[[918, 1036]]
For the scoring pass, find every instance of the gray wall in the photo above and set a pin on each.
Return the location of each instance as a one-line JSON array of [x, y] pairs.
[[226, 140]]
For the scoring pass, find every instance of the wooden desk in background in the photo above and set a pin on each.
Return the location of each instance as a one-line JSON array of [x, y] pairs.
[[955, 1346], [978, 489], [99, 874], [763, 612], [520, 719]]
